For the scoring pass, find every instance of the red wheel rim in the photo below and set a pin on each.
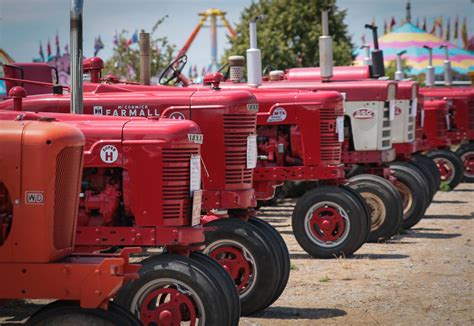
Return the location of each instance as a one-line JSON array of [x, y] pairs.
[[167, 307], [327, 224], [445, 169], [233, 260], [468, 160]]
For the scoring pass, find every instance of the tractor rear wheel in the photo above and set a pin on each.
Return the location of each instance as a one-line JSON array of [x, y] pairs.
[[283, 255], [450, 167], [466, 153], [412, 187], [385, 205], [427, 165], [61, 313], [330, 221], [172, 289], [247, 255]]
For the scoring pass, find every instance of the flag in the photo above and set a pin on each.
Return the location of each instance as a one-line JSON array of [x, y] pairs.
[[362, 39], [392, 23], [195, 71], [456, 28], [439, 23], [58, 49], [433, 28], [135, 37], [48, 49], [41, 53], [385, 26], [424, 24], [464, 37], [66, 48], [418, 22], [448, 30], [98, 45], [115, 39]]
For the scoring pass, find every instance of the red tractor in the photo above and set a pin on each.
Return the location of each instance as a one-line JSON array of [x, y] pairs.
[[40, 172]]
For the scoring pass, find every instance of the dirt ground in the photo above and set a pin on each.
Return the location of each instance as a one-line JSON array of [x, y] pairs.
[[422, 277]]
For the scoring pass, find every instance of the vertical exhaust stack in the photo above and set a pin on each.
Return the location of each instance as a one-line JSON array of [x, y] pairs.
[[254, 57], [76, 56], [430, 71], [399, 75], [366, 61], [145, 63], [325, 48], [448, 74], [378, 69]]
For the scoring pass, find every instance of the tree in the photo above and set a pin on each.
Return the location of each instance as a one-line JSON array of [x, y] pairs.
[[125, 60], [289, 31]]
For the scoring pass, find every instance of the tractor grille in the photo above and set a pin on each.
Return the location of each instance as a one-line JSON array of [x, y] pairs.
[[177, 203], [330, 145], [440, 124], [237, 127], [386, 126], [470, 112], [411, 128], [68, 172]]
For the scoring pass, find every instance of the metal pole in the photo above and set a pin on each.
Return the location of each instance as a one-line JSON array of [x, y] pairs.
[[145, 63], [76, 56]]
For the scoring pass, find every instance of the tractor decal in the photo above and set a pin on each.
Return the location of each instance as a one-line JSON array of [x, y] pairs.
[[109, 154], [363, 114], [278, 115], [34, 197]]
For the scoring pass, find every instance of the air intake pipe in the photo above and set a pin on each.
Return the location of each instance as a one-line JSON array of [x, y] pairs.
[[378, 69], [399, 75], [448, 74], [325, 48], [236, 68], [430, 71], [366, 61], [76, 56], [254, 57]]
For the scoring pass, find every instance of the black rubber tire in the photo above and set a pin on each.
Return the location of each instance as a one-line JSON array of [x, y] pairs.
[[430, 179], [379, 191], [456, 163], [282, 252], [225, 283], [420, 176], [462, 151], [180, 269], [363, 205], [413, 182], [425, 163], [247, 236], [356, 214], [61, 313]]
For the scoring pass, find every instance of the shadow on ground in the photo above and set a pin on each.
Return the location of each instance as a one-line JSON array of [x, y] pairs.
[[451, 217], [355, 256], [299, 313]]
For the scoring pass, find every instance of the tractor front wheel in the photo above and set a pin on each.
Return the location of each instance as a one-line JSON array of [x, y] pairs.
[[330, 221], [450, 167], [466, 153], [428, 166], [384, 202]]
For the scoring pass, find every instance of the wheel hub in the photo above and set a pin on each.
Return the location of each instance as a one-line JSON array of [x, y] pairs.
[[468, 160], [407, 197], [327, 224], [446, 169], [377, 210], [167, 306]]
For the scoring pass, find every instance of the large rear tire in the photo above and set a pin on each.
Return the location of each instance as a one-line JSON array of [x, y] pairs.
[[427, 165], [173, 289], [450, 167], [412, 187], [466, 154], [329, 222], [385, 205]]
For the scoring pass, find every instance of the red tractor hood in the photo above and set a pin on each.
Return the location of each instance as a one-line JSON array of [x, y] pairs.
[[339, 73]]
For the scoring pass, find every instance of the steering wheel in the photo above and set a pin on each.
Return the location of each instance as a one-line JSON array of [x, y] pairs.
[[172, 73]]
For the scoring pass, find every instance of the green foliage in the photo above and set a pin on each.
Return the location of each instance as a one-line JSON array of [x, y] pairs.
[[391, 68], [125, 60], [288, 34]]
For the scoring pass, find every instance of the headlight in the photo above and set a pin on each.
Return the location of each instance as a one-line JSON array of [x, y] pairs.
[[392, 90]]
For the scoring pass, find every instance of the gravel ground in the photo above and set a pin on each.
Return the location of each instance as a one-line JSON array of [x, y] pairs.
[[422, 277]]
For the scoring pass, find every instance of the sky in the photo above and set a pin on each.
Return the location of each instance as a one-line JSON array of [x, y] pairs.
[[24, 23]]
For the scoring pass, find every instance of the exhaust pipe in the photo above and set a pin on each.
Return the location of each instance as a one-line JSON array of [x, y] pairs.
[[366, 61], [399, 75], [254, 57], [448, 74], [430, 71], [325, 48], [378, 69], [76, 56]]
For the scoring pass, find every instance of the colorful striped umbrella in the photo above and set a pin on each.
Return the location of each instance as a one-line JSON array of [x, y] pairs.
[[411, 38]]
